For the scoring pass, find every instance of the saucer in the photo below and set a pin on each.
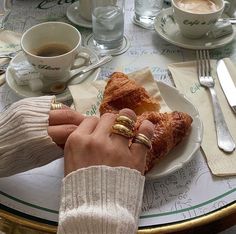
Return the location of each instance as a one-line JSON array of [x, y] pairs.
[[168, 29], [24, 91], [72, 14]]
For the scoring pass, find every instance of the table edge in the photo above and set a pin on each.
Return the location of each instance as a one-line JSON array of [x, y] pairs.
[[183, 225]]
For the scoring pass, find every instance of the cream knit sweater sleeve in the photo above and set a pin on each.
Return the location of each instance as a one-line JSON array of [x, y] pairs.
[[101, 200], [24, 141]]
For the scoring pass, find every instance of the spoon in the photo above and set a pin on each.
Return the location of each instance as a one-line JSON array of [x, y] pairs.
[[9, 55], [59, 88], [231, 20]]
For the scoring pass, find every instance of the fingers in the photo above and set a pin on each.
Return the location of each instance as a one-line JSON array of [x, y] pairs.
[[65, 116], [120, 139], [62, 122], [60, 133], [139, 150], [88, 125]]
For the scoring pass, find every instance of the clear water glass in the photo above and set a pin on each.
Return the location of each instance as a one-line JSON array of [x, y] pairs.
[[145, 12], [108, 23]]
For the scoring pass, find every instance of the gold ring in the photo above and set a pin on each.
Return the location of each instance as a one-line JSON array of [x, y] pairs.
[[122, 130], [126, 121], [56, 106], [142, 139]]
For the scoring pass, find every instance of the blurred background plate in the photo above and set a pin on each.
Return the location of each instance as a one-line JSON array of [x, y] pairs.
[[73, 15]]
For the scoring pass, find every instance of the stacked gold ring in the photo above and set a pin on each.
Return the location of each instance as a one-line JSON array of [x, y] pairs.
[[126, 121], [56, 106], [123, 126], [120, 129], [142, 139]]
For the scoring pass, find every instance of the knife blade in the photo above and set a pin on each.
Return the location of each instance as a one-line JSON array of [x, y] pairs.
[[226, 83]]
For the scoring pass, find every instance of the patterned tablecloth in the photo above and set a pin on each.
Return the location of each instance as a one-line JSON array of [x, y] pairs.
[[188, 193]]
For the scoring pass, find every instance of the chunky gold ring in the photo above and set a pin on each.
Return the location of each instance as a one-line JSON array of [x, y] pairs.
[[126, 121], [56, 106], [122, 130], [142, 139]]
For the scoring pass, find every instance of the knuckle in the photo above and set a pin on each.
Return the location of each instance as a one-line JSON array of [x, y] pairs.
[[94, 118], [147, 128], [128, 112], [73, 139], [70, 115], [107, 116], [70, 128]]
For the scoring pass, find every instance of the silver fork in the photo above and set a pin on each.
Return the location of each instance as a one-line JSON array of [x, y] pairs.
[[224, 138]]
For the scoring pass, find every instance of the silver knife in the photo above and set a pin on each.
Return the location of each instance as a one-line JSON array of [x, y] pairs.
[[227, 83]]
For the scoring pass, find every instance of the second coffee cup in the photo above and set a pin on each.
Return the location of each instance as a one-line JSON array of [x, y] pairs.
[[52, 49], [196, 17]]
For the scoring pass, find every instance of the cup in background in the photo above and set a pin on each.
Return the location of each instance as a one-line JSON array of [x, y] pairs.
[[108, 24], [195, 23], [7, 5], [85, 9], [145, 11], [52, 48], [230, 8]]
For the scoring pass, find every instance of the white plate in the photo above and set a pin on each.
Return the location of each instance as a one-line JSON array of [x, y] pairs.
[[73, 15], [184, 151], [168, 29], [25, 91]]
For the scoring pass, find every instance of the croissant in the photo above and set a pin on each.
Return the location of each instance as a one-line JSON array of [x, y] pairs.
[[169, 130], [122, 92]]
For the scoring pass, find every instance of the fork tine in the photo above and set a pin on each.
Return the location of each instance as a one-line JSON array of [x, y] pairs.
[[209, 62], [204, 61], [198, 63]]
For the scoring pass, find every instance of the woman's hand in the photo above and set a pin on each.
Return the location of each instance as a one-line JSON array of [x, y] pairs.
[[93, 143], [62, 123]]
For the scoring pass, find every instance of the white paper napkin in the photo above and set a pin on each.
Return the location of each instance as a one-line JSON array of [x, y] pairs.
[[24, 73], [9, 41], [186, 80]]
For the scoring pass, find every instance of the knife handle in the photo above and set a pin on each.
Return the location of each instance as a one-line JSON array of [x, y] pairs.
[[224, 138]]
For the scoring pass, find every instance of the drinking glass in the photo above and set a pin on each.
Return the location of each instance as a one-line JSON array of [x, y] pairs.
[[108, 25], [145, 12]]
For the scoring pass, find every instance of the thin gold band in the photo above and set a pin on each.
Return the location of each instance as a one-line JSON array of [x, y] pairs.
[[142, 139]]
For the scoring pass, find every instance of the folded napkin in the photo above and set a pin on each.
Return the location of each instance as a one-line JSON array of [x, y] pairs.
[[9, 42], [186, 81]]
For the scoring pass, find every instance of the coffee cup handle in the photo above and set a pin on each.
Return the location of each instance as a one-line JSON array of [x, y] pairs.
[[227, 6], [86, 60]]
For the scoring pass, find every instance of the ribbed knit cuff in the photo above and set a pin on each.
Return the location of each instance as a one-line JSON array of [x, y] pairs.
[[101, 199], [24, 140]]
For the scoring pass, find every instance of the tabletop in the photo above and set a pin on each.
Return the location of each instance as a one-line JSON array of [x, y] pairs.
[[170, 203]]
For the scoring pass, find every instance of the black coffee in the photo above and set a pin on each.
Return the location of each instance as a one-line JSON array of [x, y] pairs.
[[53, 49]]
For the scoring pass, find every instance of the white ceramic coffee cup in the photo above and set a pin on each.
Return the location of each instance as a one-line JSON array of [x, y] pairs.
[[196, 25], [85, 9], [54, 69]]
